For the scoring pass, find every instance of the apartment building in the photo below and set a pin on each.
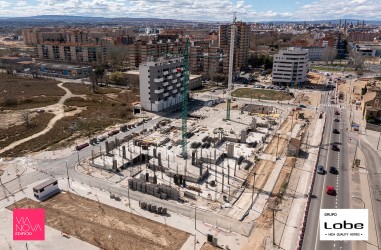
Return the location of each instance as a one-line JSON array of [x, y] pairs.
[[208, 60], [142, 51], [161, 83], [69, 52], [290, 66], [315, 53], [241, 44]]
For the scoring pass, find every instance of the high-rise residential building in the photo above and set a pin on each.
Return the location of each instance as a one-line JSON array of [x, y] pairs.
[[290, 66], [142, 51], [161, 83], [241, 44], [208, 60]]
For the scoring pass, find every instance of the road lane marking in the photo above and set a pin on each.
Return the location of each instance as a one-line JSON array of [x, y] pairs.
[[326, 163]]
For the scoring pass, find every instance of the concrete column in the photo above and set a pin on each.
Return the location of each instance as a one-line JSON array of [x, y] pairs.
[[124, 152], [107, 147]]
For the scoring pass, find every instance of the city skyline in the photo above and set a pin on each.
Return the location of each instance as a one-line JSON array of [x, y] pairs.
[[249, 11]]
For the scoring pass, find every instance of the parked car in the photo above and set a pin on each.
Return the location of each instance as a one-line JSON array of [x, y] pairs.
[[114, 132], [331, 190], [336, 119], [320, 169], [336, 131], [332, 102], [302, 106], [337, 112], [333, 170], [82, 146]]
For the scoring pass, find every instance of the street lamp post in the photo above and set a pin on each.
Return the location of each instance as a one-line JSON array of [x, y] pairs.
[[67, 172], [276, 154], [274, 210], [354, 197], [357, 145], [252, 195]]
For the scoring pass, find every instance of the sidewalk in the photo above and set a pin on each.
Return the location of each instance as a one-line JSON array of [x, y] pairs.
[[297, 191], [360, 190]]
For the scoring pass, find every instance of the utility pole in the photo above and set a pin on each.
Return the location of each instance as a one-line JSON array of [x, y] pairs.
[[276, 154], [379, 140], [195, 229], [67, 172], [274, 210], [252, 195]]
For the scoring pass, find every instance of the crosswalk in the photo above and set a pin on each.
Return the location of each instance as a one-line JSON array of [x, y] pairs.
[[332, 105]]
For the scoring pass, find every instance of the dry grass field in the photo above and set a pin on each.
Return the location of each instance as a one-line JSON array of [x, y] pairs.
[[104, 226], [25, 93]]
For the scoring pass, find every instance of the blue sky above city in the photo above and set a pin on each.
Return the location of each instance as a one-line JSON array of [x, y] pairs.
[[217, 10]]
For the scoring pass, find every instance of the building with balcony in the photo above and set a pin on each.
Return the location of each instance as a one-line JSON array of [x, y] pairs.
[[290, 66], [161, 83], [241, 43]]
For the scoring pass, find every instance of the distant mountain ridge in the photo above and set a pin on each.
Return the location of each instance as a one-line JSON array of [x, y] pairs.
[[73, 18]]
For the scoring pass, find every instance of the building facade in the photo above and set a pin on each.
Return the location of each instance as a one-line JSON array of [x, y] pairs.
[[315, 53], [241, 43], [161, 83], [290, 66], [75, 53]]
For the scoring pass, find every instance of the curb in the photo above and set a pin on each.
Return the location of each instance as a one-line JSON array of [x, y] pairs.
[[24, 169], [307, 206]]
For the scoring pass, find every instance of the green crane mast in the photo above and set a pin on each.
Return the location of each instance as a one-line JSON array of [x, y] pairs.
[[185, 101]]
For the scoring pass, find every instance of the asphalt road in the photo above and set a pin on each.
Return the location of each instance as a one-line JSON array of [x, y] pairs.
[[340, 181]]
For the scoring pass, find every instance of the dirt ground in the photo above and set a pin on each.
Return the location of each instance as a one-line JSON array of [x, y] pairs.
[[261, 234], [314, 78], [208, 246], [22, 93], [17, 132], [104, 226], [308, 98]]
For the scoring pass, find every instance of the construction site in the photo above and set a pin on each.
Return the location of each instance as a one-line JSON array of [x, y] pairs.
[[226, 162]]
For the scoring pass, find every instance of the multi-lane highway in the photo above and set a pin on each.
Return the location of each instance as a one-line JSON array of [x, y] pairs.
[[340, 181]]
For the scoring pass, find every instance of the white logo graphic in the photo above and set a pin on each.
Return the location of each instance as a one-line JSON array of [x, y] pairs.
[[343, 224]]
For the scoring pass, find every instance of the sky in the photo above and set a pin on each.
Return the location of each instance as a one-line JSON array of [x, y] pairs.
[[208, 10]]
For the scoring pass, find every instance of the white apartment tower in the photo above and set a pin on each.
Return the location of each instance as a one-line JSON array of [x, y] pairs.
[[290, 66], [161, 83]]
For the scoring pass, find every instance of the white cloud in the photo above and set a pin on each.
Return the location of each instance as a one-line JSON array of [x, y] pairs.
[[219, 10]]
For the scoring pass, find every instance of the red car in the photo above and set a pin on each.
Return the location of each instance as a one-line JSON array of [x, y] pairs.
[[331, 190]]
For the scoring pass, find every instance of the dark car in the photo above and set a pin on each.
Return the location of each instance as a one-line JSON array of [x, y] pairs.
[[333, 170], [302, 106], [336, 131], [337, 120], [320, 170], [335, 147], [337, 113]]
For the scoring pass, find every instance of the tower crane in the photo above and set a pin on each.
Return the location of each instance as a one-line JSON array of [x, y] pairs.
[[230, 76]]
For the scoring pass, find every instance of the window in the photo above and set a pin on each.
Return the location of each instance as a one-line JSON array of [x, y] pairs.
[[42, 190]]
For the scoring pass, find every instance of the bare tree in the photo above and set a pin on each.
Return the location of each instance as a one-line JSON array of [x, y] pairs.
[[329, 54], [26, 117], [356, 59]]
